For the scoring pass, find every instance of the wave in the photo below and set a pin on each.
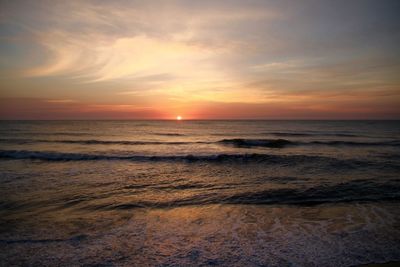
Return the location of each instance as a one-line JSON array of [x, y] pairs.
[[281, 143], [343, 192], [273, 143], [290, 134], [118, 142], [324, 162], [353, 191], [59, 156], [360, 191], [236, 142], [286, 134], [250, 157], [353, 143], [96, 142], [168, 134], [24, 132]]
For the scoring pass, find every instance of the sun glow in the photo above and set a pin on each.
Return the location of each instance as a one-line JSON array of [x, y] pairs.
[[178, 118]]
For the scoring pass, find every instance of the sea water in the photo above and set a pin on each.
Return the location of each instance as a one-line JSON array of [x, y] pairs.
[[190, 193]]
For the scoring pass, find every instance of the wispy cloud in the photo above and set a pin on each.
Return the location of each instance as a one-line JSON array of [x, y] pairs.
[[170, 53], [61, 101]]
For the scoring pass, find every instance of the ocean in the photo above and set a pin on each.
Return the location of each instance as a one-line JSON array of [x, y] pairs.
[[199, 193]]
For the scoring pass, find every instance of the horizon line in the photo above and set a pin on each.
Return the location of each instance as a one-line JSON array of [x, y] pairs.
[[389, 119]]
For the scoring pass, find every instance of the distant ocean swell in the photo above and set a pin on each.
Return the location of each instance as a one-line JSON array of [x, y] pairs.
[[22, 132], [96, 142], [236, 142]]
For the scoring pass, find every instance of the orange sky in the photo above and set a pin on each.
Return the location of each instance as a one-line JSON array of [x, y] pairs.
[[199, 59]]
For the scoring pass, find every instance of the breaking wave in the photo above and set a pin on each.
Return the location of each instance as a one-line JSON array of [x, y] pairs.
[[280, 143], [303, 134], [59, 156], [353, 191], [317, 161]]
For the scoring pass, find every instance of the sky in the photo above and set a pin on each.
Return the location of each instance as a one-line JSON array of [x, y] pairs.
[[298, 59]]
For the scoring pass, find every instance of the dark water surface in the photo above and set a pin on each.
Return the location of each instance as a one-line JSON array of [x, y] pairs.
[[227, 193]]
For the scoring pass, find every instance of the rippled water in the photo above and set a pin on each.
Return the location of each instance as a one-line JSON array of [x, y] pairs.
[[229, 193]]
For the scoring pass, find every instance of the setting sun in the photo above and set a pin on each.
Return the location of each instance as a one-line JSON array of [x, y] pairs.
[[178, 118]]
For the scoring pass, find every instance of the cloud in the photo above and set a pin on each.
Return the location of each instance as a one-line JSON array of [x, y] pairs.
[[296, 108], [36, 108], [60, 101], [171, 53]]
